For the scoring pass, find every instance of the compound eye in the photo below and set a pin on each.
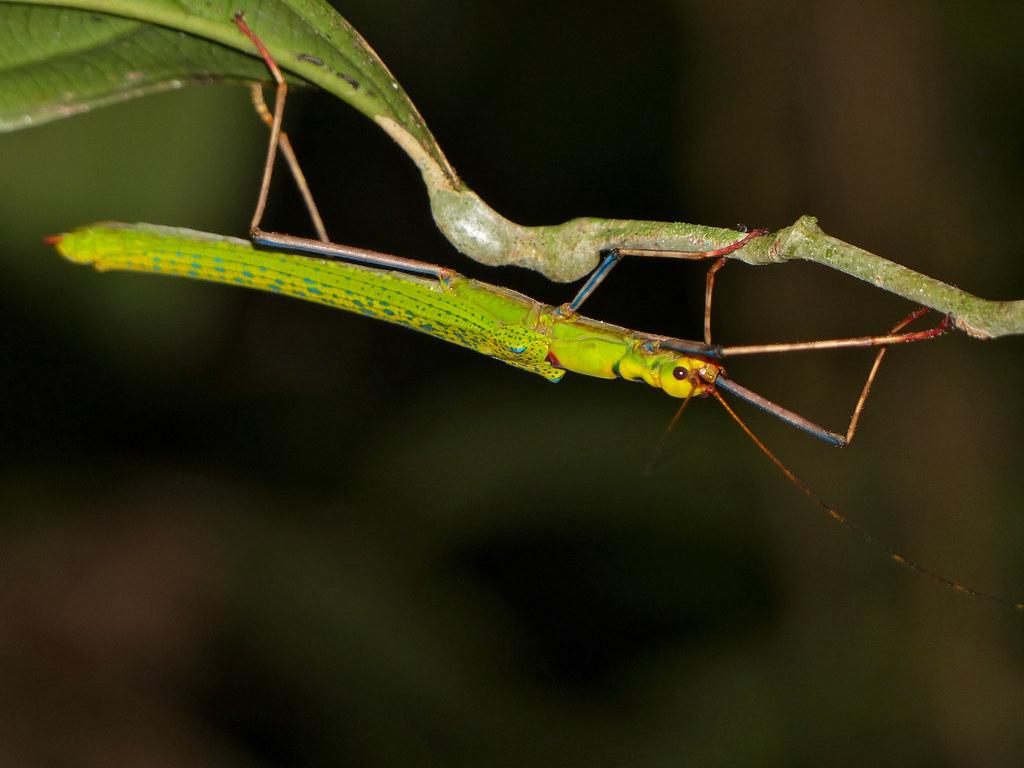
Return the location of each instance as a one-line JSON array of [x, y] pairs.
[[680, 373]]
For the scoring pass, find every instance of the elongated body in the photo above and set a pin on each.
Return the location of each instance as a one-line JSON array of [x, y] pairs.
[[495, 321], [489, 319]]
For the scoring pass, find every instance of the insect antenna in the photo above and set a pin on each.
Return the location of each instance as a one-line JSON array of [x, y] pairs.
[[857, 530], [659, 451]]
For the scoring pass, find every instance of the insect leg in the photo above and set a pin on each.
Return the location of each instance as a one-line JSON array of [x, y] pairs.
[[614, 255], [834, 438], [277, 137]]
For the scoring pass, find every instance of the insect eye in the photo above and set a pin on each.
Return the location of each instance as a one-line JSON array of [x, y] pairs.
[[680, 373]]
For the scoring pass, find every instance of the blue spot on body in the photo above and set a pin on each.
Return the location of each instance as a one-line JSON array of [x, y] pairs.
[[314, 291]]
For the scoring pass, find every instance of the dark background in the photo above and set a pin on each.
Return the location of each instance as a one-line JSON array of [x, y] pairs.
[[241, 530]]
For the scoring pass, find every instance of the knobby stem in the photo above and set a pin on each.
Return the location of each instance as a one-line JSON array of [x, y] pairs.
[[569, 251]]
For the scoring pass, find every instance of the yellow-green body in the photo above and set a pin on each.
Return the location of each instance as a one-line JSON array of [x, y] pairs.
[[489, 319]]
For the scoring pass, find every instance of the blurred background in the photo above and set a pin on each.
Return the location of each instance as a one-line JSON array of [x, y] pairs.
[[241, 530]]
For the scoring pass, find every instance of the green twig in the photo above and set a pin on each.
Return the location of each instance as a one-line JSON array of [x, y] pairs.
[[571, 250]]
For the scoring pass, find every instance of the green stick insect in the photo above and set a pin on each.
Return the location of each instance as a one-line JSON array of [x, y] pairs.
[[495, 321]]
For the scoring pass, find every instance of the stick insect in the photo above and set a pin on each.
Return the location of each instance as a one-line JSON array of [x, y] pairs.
[[493, 320], [324, 248], [539, 338]]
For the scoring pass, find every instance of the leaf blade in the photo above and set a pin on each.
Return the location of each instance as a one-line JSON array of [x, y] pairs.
[[86, 60], [307, 37]]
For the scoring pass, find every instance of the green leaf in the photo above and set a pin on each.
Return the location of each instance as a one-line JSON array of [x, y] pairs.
[[56, 61]]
